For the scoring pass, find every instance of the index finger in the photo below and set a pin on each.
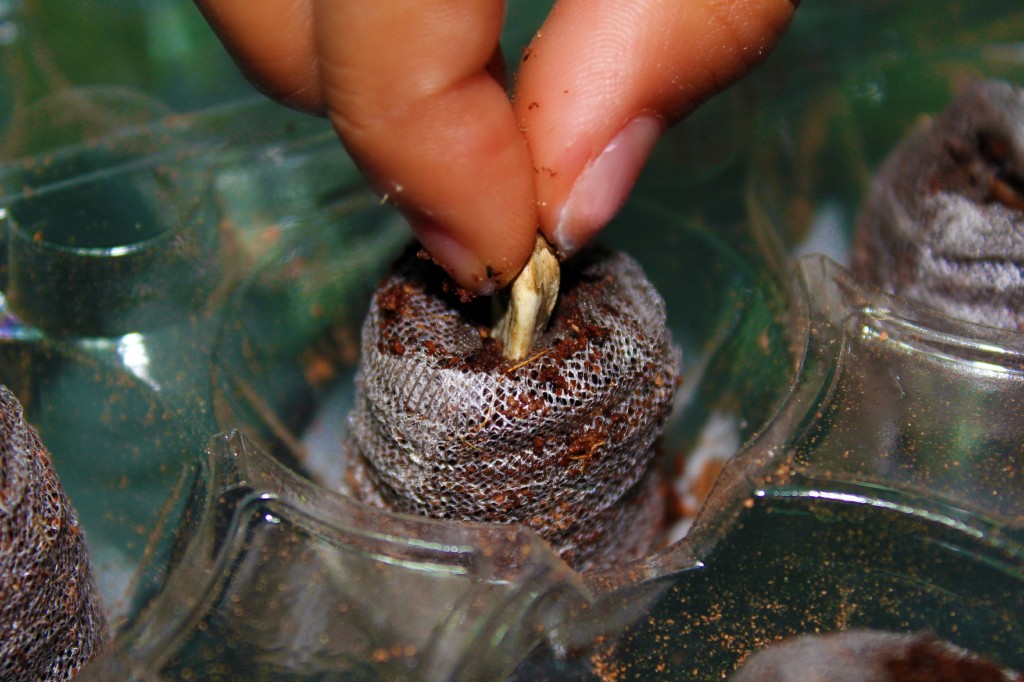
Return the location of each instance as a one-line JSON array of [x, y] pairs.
[[272, 43], [409, 89]]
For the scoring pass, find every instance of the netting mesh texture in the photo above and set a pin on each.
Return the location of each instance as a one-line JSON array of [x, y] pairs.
[[944, 223], [446, 427], [869, 656], [50, 617]]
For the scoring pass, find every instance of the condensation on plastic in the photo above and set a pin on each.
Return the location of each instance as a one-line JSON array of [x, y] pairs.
[[878, 486]]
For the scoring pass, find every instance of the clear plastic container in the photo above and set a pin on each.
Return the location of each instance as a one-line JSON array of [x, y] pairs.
[[178, 277]]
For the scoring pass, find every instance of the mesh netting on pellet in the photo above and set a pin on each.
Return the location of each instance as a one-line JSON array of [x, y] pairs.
[[446, 427], [944, 224], [50, 617]]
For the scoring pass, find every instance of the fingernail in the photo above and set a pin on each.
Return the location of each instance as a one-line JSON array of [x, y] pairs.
[[461, 263], [602, 187]]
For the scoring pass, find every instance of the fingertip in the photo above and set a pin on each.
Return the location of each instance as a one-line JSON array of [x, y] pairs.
[[481, 273], [602, 187], [601, 80], [458, 260], [496, 230]]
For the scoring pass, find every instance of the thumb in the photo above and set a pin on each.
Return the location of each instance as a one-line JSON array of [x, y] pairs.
[[603, 78]]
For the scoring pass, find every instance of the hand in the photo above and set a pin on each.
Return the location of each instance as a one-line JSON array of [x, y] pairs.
[[415, 90]]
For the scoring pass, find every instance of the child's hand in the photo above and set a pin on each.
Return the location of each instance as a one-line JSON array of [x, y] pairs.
[[415, 90]]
